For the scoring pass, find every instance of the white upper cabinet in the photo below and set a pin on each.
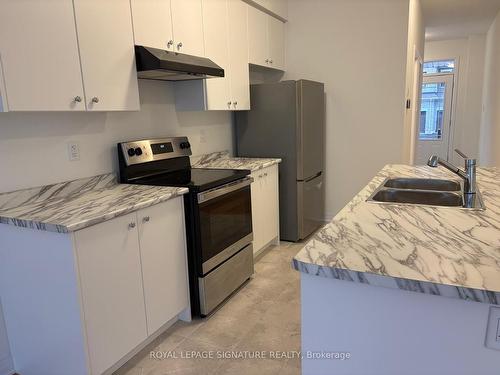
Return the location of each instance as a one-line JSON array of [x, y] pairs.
[[152, 21], [107, 54], [226, 44], [174, 25], [276, 41], [266, 36], [257, 37], [238, 55], [187, 21], [39, 55], [277, 7], [3, 97], [215, 28]]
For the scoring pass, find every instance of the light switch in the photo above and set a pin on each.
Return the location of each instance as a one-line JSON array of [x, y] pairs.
[[493, 329]]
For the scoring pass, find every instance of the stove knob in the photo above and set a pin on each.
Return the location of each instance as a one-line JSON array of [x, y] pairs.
[[183, 145], [138, 151], [131, 152]]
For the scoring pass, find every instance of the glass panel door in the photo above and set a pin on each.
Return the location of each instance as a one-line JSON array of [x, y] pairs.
[[435, 117]]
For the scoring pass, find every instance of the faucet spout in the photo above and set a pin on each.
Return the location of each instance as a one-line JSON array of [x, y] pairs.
[[469, 175]]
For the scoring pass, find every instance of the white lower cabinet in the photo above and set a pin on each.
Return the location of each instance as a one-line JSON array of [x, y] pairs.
[[163, 256], [109, 264], [133, 275], [94, 296], [265, 207]]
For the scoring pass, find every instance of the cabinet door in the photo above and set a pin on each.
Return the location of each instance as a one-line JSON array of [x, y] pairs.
[[109, 265], [3, 97], [270, 203], [276, 37], [238, 55], [279, 7], [215, 30], [258, 218], [257, 37], [107, 54], [187, 23], [152, 22], [39, 53], [164, 266]]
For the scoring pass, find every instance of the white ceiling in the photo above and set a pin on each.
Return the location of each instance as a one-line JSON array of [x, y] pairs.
[[450, 19]]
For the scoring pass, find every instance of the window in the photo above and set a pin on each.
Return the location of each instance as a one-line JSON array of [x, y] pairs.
[[441, 66], [431, 113], [423, 119]]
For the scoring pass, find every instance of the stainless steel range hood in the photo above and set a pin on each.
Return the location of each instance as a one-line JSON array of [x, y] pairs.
[[158, 64]]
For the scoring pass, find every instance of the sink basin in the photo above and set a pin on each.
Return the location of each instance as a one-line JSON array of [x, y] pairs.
[[423, 184], [430, 198]]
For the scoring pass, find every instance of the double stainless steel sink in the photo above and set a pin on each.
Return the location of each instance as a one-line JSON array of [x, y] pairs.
[[425, 192]]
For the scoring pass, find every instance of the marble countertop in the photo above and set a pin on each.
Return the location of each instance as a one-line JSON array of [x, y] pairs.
[[222, 160], [73, 205], [434, 250]]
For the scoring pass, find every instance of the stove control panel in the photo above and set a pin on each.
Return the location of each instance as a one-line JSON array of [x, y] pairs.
[[148, 150]]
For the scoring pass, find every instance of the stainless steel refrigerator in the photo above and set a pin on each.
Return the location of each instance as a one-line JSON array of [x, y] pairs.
[[287, 121]]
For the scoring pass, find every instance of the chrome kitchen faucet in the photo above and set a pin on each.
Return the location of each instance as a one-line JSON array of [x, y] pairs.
[[469, 174]]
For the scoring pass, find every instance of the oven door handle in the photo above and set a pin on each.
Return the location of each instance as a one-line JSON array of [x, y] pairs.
[[224, 189]]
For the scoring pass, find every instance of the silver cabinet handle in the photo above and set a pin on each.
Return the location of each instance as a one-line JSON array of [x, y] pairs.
[[146, 219], [170, 43], [179, 45], [131, 225], [95, 99], [77, 99]]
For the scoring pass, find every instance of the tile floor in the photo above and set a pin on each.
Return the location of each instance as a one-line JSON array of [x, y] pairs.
[[264, 316]]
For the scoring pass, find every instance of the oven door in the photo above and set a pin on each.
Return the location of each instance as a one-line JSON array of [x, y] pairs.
[[225, 222]]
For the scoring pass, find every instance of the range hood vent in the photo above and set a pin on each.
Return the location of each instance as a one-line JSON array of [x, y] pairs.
[[158, 64]]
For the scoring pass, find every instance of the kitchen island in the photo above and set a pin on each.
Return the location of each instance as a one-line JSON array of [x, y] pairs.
[[403, 289]]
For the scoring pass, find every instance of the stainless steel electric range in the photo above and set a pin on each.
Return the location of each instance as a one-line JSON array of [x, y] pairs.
[[217, 209]]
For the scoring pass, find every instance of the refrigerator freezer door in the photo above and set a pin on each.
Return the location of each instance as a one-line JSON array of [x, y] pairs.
[[311, 205], [310, 128]]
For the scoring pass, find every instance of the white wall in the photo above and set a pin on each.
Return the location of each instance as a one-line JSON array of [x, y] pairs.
[[34, 151], [358, 49], [414, 59], [490, 124], [466, 117]]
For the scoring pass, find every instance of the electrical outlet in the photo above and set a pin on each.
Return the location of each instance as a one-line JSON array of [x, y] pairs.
[[493, 330], [73, 151]]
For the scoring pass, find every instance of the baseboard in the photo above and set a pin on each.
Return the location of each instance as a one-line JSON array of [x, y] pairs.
[[6, 367], [141, 346]]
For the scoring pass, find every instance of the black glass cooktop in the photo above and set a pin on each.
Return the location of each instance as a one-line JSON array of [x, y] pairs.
[[195, 179]]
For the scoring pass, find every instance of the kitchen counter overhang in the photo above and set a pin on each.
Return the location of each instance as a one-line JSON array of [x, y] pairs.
[[444, 251]]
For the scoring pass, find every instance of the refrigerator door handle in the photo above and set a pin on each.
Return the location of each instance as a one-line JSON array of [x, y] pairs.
[[311, 178]]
